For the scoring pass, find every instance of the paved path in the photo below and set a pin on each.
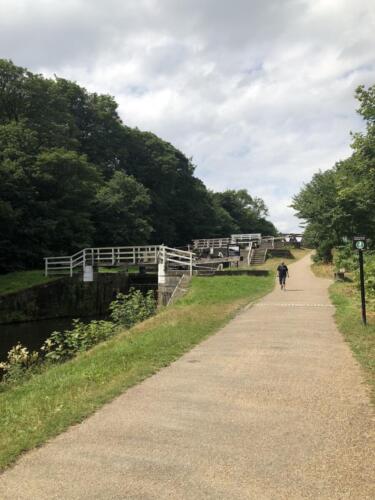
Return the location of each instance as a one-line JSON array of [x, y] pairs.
[[271, 407]]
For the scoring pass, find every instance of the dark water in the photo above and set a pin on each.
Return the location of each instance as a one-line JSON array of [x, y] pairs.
[[32, 334]]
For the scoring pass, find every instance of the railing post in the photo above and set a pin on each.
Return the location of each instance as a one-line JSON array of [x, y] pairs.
[[249, 253], [46, 266], [191, 263], [71, 267]]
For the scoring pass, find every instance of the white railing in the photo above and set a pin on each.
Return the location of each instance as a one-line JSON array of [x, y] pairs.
[[211, 243], [116, 256], [245, 238], [104, 256], [250, 253], [177, 258]]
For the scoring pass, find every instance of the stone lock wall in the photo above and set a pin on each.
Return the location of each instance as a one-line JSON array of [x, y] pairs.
[[66, 297]]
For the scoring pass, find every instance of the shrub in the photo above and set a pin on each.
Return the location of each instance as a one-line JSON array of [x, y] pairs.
[[132, 308], [63, 345], [369, 272], [345, 257], [19, 361], [323, 252]]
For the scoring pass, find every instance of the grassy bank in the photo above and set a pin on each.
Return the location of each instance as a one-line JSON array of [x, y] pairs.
[[20, 280], [272, 263], [65, 394], [361, 339]]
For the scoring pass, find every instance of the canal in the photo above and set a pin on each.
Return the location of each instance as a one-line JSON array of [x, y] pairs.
[[32, 334]]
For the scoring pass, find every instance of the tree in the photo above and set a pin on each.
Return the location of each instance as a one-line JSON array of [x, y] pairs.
[[316, 204], [72, 175], [246, 212], [121, 205], [66, 185], [340, 202]]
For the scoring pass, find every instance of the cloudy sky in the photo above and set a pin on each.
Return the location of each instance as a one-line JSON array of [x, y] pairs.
[[258, 92]]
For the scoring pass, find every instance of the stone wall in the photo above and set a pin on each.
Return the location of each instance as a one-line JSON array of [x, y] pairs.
[[69, 297]]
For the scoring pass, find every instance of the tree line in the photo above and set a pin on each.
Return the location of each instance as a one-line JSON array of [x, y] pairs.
[[73, 175], [340, 203]]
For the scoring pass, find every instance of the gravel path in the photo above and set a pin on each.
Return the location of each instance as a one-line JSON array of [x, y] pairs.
[[271, 407]]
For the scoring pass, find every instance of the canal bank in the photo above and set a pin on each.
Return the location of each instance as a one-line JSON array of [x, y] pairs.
[[30, 316]]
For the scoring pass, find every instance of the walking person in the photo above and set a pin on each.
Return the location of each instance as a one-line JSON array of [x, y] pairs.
[[283, 273]]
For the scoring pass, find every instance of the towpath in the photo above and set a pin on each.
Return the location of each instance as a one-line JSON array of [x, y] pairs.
[[271, 407]]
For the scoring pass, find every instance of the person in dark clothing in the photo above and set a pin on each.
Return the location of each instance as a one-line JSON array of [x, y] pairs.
[[283, 273]]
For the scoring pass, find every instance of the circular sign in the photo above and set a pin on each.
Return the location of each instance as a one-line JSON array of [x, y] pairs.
[[360, 245]]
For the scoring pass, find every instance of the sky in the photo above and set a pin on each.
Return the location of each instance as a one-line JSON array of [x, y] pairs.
[[259, 93]]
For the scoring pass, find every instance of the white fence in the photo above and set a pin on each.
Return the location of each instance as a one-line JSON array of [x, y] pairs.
[[245, 238], [211, 243], [234, 239], [116, 256], [172, 257]]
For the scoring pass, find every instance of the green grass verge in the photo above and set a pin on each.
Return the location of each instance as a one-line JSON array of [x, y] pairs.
[[360, 338], [20, 280], [65, 394]]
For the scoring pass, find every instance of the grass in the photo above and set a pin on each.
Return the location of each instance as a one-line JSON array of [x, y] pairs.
[[272, 263], [20, 280], [322, 270], [65, 394], [360, 338]]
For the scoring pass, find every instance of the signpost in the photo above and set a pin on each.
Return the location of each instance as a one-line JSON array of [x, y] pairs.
[[359, 243]]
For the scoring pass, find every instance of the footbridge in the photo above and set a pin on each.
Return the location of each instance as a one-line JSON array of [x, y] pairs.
[[119, 257], [173, 265], [166, 258]]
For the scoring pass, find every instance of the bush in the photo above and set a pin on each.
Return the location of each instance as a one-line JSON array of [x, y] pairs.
[[63, 345], [126, 310], [323, 252], [132, 308], [369, 272], [345, 257], [19, 361]]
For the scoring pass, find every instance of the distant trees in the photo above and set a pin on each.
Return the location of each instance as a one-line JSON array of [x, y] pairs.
[[73, 175], [339, 203]]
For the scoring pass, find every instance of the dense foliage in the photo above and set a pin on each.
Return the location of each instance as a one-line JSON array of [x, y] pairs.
[[129, 309], [73, 175], [340, 202]]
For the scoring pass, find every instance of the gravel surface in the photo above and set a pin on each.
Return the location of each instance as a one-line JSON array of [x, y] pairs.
[[271, 407]]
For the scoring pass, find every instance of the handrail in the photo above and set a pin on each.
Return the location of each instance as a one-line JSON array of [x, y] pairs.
[[250, 253], [148, 254]]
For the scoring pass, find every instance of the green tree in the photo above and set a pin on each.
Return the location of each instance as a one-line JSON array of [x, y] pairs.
[[316, 204], [120, 212], [66, 185], [246, 212]]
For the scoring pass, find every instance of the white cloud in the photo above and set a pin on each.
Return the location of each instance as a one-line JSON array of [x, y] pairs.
[[260, 94]]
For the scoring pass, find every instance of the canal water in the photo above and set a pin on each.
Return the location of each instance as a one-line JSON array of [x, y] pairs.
[[32, 334]]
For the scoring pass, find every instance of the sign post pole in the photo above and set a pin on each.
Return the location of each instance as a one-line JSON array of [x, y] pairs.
[[359, 243], [362, 278]]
